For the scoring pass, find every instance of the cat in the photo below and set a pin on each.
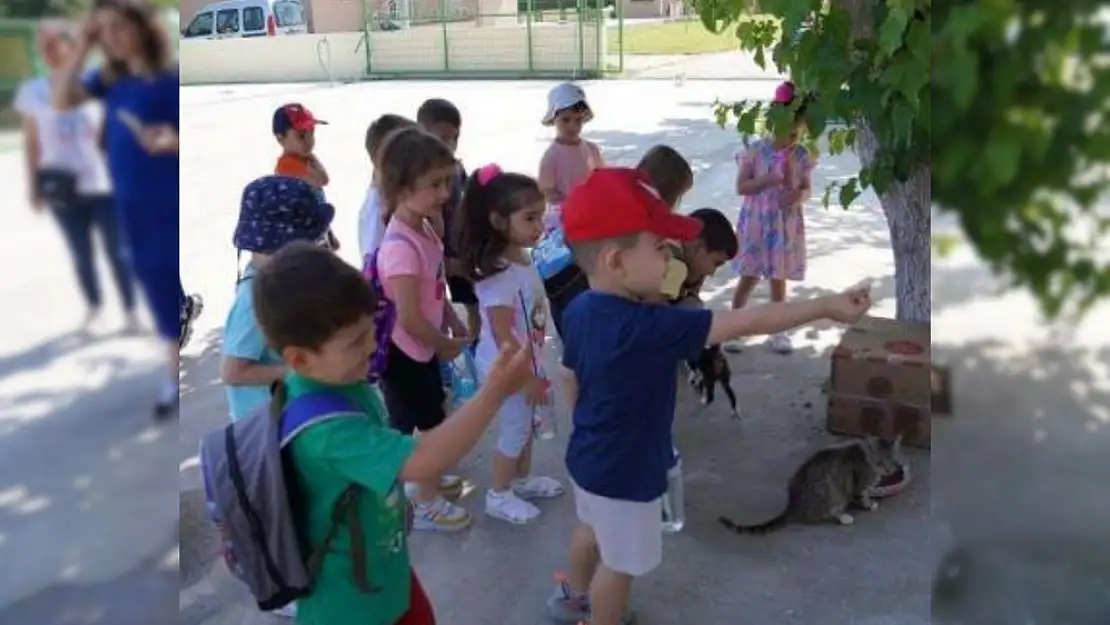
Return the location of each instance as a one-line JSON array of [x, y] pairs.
[[709, 370], [829, 482]]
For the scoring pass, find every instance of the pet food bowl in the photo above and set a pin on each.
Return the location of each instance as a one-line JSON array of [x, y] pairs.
[[893, 483]]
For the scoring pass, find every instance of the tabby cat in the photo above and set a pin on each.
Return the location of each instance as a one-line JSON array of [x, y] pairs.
[[830, 481]]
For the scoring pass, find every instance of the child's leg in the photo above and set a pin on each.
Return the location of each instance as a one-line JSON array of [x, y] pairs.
[[609, 594], [743, 291], [514, 421], [779, 342], [778, 290], [523, 466], [414, 396], [531, 486]]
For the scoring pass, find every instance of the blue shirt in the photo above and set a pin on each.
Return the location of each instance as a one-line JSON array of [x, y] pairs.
[[243, 339], [136, 174], [625, 355]]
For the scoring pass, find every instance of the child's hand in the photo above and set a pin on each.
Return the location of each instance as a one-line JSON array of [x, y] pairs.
[[535, 392], [451, 347], [511, 371], [770, 179], [849, 306]]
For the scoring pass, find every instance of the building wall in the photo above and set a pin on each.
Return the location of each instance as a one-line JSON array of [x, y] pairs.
[[469, 50], [640, 9]]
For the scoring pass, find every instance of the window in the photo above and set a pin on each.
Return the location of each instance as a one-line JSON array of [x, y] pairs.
[[201, 26], [227, 21], [254, 20], [288, 13]]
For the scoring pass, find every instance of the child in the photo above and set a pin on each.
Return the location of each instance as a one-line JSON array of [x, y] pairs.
[[671, 176], [442, 119], [502, 215], [415, 180], [324, 335], [371, 225], [774, 180], [294, 128], [694, 261], [569, 158], [249, 367], [620, 447]]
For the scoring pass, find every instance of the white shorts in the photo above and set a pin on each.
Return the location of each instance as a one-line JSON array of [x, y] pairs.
[[629, 533], [514, 425]]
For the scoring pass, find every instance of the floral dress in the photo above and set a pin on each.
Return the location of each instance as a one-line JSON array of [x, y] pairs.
[[772, 236]]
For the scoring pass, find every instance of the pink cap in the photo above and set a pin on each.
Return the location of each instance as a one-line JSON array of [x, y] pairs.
[[784, 93]]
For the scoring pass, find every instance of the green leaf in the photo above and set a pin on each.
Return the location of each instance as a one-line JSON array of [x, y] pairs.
[[1001, 156], [892, 32], [849, 191]]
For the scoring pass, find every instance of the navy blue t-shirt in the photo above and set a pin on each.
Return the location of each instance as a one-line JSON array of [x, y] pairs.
[[136, 174], [625, 355]]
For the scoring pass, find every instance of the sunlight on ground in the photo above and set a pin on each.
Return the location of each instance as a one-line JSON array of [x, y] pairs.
[[20, 500]]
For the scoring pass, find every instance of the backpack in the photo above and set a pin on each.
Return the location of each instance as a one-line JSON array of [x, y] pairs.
[[249, 490], [385, 317], [551, 254]]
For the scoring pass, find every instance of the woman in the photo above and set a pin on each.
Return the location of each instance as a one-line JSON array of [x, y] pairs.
[[67, 175], [138, 84]]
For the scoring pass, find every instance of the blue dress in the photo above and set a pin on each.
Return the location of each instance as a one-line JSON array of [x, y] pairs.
[[146, 186]]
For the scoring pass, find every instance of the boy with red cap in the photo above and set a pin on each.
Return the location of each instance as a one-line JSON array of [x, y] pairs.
[[294, 127], [620, 448]]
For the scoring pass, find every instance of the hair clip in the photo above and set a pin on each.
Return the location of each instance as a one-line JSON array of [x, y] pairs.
[[488, 173]]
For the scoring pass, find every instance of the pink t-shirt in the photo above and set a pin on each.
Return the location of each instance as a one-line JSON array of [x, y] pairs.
[[407, 252], [563, 166]]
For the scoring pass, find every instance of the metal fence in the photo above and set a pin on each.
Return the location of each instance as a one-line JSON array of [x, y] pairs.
[[487, 38]]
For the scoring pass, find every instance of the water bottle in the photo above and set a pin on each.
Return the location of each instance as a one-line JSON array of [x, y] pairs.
[[543, 419], [674, 505]]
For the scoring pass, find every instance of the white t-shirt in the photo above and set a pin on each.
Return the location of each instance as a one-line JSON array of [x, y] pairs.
[[371, 229], [68, 140], [519, 287]]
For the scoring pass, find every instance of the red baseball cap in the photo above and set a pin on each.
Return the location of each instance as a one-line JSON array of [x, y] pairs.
[[294, 117], [619, 201]]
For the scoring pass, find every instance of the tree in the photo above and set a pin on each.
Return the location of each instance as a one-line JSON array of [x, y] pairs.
[[1014, 114]]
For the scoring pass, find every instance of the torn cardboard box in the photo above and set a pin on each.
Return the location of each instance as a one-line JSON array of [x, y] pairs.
[[882, 381]]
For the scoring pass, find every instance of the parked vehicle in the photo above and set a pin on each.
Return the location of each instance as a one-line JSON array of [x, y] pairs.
[[247, 18]]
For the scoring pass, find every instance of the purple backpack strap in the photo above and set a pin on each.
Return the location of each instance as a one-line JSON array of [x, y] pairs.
[[311, 408]]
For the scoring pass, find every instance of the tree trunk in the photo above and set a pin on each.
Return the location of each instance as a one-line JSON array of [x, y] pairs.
[[906, 206]]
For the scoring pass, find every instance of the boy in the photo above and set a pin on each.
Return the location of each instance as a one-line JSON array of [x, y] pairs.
[[324, 335], [620, 447], [442, 119], [274, 211], [371, 226], [694, 261], [294, 127]]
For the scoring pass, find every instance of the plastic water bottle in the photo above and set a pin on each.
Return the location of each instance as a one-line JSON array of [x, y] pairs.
[[543, 419], [674, 503]]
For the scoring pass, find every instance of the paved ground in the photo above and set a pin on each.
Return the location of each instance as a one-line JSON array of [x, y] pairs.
[[88, 516], [877, 570]]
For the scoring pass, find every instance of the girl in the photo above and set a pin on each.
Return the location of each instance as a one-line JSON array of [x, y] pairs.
[[669, 171], [502, 215], [415, 181], [138, 84], [775, 178], [569, 158], [68, 174]]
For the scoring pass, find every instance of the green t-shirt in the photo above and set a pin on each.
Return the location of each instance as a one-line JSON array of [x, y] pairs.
[[328, 457]]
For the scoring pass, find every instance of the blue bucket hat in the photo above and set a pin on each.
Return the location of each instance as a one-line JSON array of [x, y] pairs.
[[276, 210]]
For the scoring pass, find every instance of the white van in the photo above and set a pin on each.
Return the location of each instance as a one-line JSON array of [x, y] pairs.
[[247, 18]]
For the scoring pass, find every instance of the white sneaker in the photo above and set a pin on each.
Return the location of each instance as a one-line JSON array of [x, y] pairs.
[[780, 343], [288, 611], [439, 516], [537, 487], [508, 507]]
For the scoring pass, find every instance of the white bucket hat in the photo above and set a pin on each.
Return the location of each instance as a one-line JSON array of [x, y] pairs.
[[563, 96]]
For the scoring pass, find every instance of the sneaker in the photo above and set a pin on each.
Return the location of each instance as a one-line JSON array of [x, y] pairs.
[[508, 507], [780, 343], [288, 611], [536, 487], [565, 607], [439, 516], [450, 485], [166, 409], [194, 305]]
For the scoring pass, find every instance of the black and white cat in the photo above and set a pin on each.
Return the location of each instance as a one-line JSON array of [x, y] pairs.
[[709, 371]]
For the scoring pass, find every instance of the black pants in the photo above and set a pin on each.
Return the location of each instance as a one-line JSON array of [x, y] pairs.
[[413, 392], [561, 289], [77, 222]]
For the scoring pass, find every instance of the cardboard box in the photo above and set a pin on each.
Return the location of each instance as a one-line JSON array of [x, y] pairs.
[[882, 381]]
